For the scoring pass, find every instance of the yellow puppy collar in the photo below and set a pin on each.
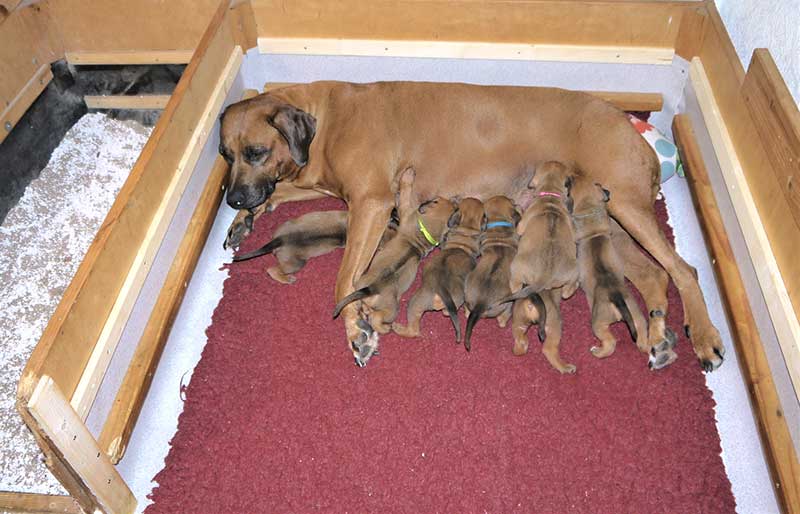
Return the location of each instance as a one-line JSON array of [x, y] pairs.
[[432, 240]]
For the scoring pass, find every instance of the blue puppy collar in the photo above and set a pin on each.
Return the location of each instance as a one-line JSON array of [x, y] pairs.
[[495, 224]]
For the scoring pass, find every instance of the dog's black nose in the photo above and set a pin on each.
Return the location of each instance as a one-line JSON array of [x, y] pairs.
[[236, 198]]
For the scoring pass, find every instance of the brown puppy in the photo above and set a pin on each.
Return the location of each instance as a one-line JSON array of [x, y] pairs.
[[601, 271], [310, 235], [444, 277], [352, 141], [395, 266], [488, 282]]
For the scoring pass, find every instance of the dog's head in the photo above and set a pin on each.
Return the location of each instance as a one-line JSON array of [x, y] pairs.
[[468, 214], [435, 215], [264, 140], [500, 208]]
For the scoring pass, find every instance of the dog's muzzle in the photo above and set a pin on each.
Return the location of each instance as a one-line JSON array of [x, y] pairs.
[[248, 197]]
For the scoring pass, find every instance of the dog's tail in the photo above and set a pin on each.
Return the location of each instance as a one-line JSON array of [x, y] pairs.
[[355, 295], [536, 300], [474, 315], [452, 311], [525, 292], [264, 250], [619, 302]]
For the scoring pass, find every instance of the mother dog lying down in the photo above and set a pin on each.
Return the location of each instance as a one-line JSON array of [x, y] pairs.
[[353, 140]]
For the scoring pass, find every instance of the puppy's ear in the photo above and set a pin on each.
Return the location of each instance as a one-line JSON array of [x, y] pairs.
[[606, 194], [516, 216], [484, 221], [570, 204], [297, 128], [568, 183], [454, 219]]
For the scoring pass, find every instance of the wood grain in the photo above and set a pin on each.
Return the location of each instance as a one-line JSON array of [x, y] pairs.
[[129, 57], [76, 446], [776, 438], [126, 101], [38, 503]]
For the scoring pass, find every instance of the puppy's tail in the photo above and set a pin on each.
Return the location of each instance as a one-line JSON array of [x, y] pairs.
[[355, 295], [619, 302], [264, 250], [474, 315], [452, 311], [525, 292], [536, 300]]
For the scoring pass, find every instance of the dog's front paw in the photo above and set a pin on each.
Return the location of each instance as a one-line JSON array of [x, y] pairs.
[[663, 354], [365, 343], [240, 228], [708, 347]]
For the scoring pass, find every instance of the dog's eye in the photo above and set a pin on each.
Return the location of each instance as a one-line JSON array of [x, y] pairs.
[[254, 154], [225, 154]]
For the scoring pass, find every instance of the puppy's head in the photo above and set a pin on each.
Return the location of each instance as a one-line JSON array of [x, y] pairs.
[[435, 215], [500, 208], [589, 195], [553, 177], [264, 140], [468, 214]]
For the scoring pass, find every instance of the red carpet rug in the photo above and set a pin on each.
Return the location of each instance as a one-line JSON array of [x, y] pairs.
[[278, 419]]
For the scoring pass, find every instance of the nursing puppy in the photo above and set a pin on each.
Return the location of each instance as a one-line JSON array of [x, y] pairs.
[[488, 282], [602, 271], [444, 277], [545, 262], [394, 267], [310, 235]]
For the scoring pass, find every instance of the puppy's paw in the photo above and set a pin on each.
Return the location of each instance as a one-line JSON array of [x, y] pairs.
[[365, 345], [601, 352], [568, 369]]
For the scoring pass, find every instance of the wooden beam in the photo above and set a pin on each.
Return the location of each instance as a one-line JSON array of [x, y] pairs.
[[127, 404], [27, 95], [777, 441], [519, 24], [95, 369], [68, 342], [691, 32], [467, 50], [126, 101], [129, 57], [759, 245], [38, 503], [651, 102], [65, 430]]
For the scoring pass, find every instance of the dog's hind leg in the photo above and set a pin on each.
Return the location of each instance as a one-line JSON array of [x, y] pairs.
[[600, 328], [640, 221], [552, 300], [419, 303], [521, 320]]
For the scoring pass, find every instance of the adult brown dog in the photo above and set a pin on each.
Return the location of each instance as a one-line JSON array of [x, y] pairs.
[[394, 268], [444, 276], [352, 141]]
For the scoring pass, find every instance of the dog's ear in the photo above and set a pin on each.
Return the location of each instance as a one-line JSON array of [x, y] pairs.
[[297, 128], [454, 219], [568, 183], [484, 222], [569, 203], [606, 194], [516, 216]]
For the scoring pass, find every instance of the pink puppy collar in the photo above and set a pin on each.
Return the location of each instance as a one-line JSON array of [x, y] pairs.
[[549, 193]]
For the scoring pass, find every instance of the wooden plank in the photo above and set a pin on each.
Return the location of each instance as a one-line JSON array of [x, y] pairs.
[[691, 32], [95, 369], [777, 120], [787, 327], [130, 57], [71, 335], [66, 432], [26, 47], [726, 76], [466, 50], [38, 503], [128, 402], [777, 442], [27, 95], [126, 101], [580, 23], [140, 26], [651, 102]]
